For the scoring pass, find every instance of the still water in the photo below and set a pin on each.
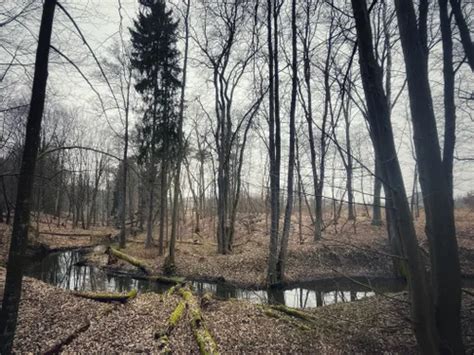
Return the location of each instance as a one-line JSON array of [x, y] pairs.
[[65, 270]]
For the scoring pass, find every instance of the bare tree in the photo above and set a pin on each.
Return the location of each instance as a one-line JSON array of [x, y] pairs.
[[438, 203], [382, 135], [19, 238]]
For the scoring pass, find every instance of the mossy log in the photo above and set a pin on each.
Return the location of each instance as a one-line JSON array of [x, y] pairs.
[[206, 343], [171, 323], [107, 296], [292, 312], [130, 259]]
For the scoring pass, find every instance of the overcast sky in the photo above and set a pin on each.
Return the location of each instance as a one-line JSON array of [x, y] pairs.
[[99, 21]]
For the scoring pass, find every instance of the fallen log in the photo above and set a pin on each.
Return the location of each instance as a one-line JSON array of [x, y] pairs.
[[66, 234], [107, 296], [163, 335], [130, 259], [292, 312], [205, 341]]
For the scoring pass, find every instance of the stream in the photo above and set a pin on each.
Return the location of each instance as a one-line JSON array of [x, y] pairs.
[[61, 269]]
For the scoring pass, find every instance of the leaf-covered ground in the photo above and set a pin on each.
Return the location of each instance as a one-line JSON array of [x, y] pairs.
[[49, 316]]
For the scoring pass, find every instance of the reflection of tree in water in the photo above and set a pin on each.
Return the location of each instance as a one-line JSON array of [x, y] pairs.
[[62, 270]]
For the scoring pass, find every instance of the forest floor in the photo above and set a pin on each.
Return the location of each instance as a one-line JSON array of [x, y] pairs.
[[52, 319]]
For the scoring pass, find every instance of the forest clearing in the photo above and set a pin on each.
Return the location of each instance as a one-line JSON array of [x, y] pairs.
[[243, 176]]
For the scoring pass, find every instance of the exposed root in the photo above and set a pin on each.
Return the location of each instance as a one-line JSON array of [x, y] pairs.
[[106, 296]]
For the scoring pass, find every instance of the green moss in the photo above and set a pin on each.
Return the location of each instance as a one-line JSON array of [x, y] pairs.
[[205, 341], [164, 343], [186, 294], [177, 314], [292, 312], [130, 259]]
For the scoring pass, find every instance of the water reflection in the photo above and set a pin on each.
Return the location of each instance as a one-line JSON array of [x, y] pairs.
[[298, 297], [65, 270]]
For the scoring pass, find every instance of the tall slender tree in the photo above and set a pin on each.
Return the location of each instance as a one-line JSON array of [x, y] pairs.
[[437, 198], [19, 238]]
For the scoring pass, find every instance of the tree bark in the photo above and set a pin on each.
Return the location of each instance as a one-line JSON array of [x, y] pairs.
[[177, 178], [272, 276], [281, 264], [439, 207], [464, 31], [19, 238], [384, 145], [449, 102], [376, 208]]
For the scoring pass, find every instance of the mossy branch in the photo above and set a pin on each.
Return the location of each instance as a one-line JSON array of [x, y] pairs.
[[292, 312], [106, 296], [131, 260]]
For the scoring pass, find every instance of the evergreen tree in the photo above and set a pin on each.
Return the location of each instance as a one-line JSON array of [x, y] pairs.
[[156, 60]]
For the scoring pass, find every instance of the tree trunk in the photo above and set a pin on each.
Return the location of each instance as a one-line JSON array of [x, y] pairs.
[[376, 208], [151, 196], [439, 207], [177, 177], [163, 204], [449, 102], [123, 214], [464, 32], [384, 145], [274, 150], [19, 238], [281, 264]]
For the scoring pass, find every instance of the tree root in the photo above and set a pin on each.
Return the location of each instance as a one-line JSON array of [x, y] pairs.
[[107, 297], [130, 259]]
